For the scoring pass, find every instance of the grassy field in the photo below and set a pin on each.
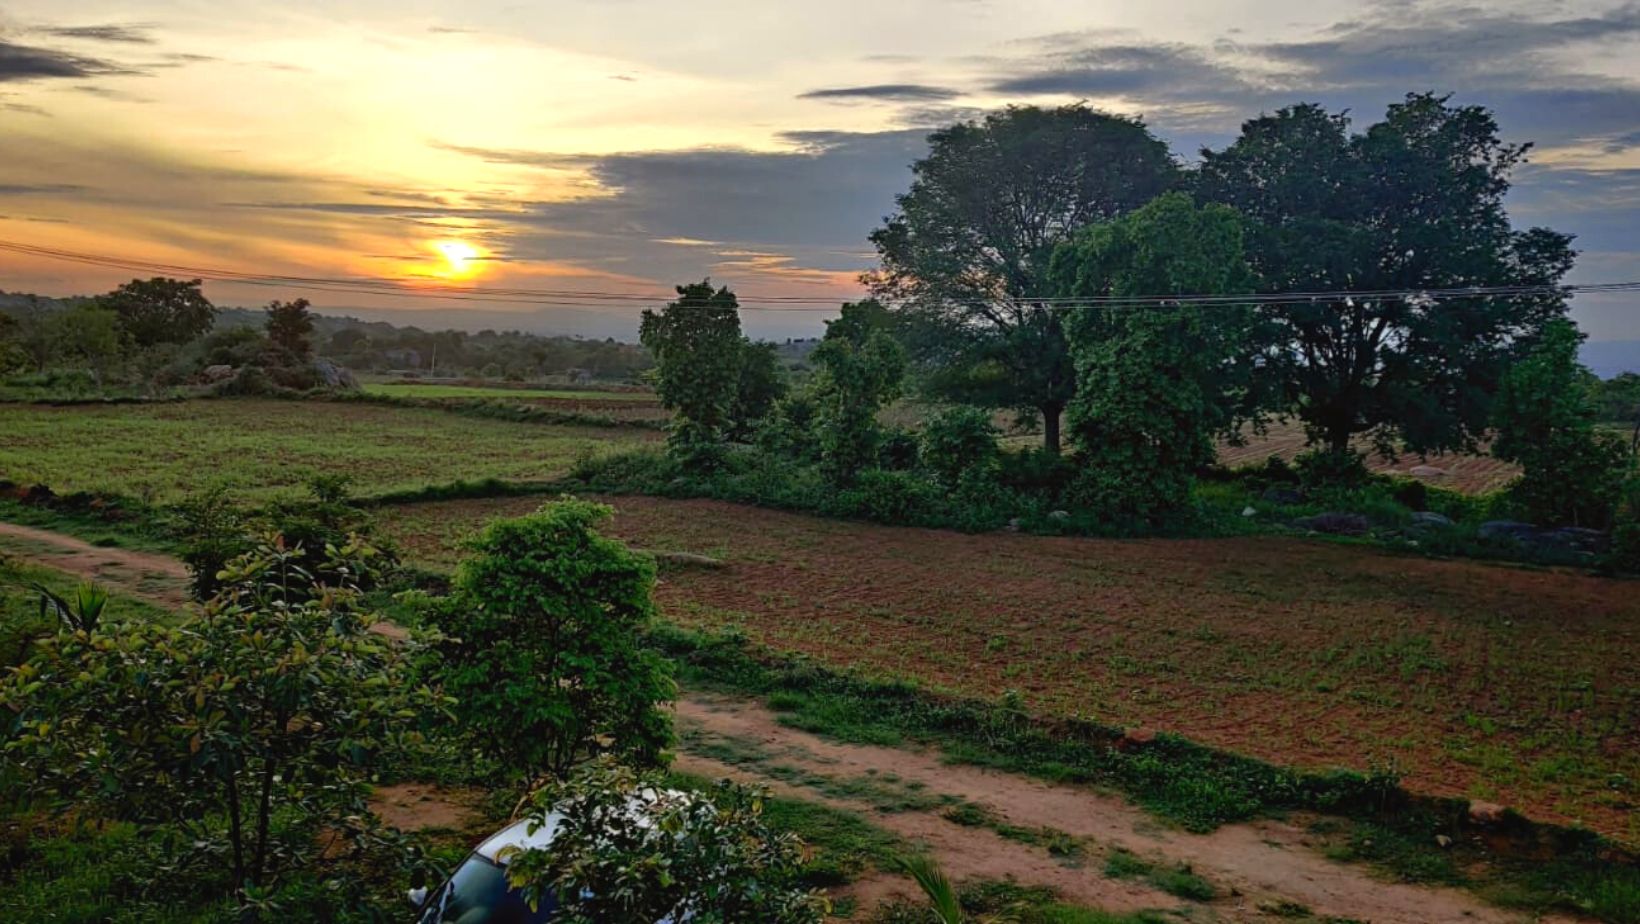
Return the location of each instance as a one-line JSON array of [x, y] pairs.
[[1471, 474], [261, 448], [416, 390], [1512, 685]]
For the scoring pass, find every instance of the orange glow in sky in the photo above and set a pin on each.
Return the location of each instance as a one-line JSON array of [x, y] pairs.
[[461, 259]]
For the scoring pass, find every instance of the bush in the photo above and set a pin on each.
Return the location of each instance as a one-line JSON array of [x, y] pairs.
[[899, 498], [1322, 469], [956, 440], [543, 654]]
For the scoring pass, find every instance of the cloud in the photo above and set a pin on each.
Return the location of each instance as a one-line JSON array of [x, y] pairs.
[[37, 189], [131, 34], [891, 92], [26, 62]]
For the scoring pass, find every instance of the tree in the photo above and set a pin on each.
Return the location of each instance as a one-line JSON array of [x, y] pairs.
[[1546, 422], [1416, 202], [85, 336], [696, 343], [958, 440], [625, 847], [290, 327], [966, 253], [161, 310], [273, 701], [1156, 384], [759, 387], [545, 656], [860, 369]]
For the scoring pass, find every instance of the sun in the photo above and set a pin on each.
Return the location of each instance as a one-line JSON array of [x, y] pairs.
[[460, 258]]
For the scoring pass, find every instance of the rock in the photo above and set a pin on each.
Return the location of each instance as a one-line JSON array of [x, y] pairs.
[[1428, 471], [220, 372], [1429, 519], [686, 559], [1506, 529], [1335, 523], [1443, 841], [1275, 494], [1248, 512], [334, 376], [1059, 515], [1578, 539], [1486, 813], [1538, 538], [1014, 525]]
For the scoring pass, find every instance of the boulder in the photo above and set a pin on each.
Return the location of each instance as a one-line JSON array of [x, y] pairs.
[[1429, 519], [1486, 813], [334, 376], [1539, 538], [1059, 515], [1014, 524], [1428, 471], [1506, 529], [1135, 738], [220, 372], [1335, 523], [1275, 494], [1248, 512]]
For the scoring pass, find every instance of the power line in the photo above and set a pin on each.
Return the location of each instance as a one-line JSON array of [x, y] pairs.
[[415, 288]]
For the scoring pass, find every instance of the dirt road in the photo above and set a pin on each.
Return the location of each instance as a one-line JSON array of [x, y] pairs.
[[159, 579]]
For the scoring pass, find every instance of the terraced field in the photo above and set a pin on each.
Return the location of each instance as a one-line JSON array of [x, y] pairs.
[[1471, 474]]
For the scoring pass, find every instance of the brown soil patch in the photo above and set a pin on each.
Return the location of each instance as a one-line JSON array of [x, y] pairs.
[[1513, 685], [158, 579], [1250, 865], [425, 806]]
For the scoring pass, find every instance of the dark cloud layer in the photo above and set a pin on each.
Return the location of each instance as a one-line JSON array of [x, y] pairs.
[[25, 62], [891, 92], [111, 32]]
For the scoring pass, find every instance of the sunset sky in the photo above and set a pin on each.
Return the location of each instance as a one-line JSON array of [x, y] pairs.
[[626, 145]]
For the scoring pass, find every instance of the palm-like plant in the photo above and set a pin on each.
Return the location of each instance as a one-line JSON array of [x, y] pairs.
[[80, 614], [942, 896]]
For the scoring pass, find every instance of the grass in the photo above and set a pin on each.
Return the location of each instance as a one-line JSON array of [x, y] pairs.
[[1176, 880], [410, 390], [264, 448], [21, 620]]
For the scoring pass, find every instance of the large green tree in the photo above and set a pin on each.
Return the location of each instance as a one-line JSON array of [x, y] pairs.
[[1156, 383], [290, 327], [1415, 202], [161, 310], [965, 254], [1547, 422], [697, 345]]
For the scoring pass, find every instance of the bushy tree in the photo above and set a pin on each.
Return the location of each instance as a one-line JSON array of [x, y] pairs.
[[544, 656], [627, 848], [1415, 202], [860, 367], [966, 253], [160, 310], [1546, 423], [272, 701], [1156, 384], [697, 346], [761, 385], [290, 327], [85, 336], [958, 440]]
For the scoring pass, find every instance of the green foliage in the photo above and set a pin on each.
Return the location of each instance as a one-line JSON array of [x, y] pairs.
[[626, 848], [290, 329], [1155, 385], [761, 386], [941, 895], [698, 349], [958, 440], [273, 701], [965, 270], [543, 654], [82, 613], [159, 310], [85, 336], [1617, 399], [1546, 423], [860, 368], [1414, 202]]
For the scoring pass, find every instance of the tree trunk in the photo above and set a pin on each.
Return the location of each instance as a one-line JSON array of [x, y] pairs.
[[1050, 427]]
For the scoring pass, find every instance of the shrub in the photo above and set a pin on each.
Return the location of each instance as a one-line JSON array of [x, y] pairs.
[[543, 654], [901, 498], [1323, 469], [627, 848], [956, 440]]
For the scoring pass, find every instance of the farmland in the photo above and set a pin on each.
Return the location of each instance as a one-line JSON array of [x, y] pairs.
[[418, 390], [260, 449], [1474, 680], [1469, 473]]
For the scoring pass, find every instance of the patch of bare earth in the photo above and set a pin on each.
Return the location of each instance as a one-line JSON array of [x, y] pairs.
[[1507, 684], [159, 579], [426, 806], [1254, 867]]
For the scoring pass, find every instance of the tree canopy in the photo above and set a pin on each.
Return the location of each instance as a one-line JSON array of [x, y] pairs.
[[965, 255], [161, 310], [696, 343], [1414, 202]]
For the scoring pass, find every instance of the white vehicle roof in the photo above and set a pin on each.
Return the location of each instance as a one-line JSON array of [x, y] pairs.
[[517, 835]]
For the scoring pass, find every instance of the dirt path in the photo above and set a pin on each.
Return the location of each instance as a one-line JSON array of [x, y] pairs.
[[1255, 867], [159, 579]]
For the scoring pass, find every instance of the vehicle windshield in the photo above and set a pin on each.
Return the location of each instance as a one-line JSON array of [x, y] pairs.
[[478, 894]]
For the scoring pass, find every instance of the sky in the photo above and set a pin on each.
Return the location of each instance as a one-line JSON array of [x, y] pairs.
[[630, 145]]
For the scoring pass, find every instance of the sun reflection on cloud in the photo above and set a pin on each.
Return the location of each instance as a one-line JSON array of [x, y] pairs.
[[460, 259]]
